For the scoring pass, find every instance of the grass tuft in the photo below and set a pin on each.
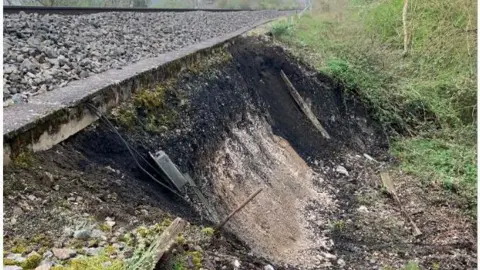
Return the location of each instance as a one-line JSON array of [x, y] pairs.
[[282, 28]]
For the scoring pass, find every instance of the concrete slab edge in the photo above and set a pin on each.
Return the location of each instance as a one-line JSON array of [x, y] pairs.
[[52, 117]]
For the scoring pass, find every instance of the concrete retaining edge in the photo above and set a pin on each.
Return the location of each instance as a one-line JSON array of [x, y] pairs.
[[52, 117]]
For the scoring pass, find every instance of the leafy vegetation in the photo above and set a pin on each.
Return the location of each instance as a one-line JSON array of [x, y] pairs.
[[426, 99], [176, 4], [283, 28], [412, 266], [101, 261], [257, 4]]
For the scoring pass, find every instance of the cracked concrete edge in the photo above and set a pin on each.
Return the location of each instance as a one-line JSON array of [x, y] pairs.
[[52, 117]]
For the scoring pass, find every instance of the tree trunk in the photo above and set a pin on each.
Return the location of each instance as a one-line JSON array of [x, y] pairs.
[[405, 30]]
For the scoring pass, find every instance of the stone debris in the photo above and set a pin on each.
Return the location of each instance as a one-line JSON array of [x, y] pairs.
[[63, 253], [268, 267], [12, 267], [109, 221], [83, 234], [367, 156], [340, 169], [46, 266], [16, 257], [363, 209], [45, 52]]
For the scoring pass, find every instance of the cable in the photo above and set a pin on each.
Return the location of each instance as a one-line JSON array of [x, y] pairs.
[[135, 150], [109, 124], [131, 150]]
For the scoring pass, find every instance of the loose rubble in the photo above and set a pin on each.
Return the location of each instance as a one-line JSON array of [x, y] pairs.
[[45, 52]]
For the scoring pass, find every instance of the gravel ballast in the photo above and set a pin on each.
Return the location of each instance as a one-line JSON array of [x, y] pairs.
[[45, 52]]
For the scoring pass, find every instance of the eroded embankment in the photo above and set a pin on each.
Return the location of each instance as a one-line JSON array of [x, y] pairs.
[[232, 125]]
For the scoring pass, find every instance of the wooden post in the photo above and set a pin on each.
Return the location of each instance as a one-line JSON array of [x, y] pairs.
[[168, 238], [387, 182], [304, 107], [219, 226]]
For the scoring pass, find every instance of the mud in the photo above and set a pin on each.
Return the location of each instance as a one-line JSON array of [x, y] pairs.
[[234, 129]]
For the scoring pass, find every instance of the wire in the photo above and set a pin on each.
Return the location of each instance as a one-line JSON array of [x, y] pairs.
[[109, 124], [135, 150]]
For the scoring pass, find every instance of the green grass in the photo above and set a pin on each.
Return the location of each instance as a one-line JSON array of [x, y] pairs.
[[412, 266], [282, 28], [257, 4], [101, 261], [426, 100]]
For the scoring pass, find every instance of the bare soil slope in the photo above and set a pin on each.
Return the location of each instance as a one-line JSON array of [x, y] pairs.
[[234, 128]]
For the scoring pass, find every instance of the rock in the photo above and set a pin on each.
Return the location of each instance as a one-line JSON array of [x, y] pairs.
[[15, 77], [12, 267], [268, 267], [45, 266], [329, 256], [109, 221], [53, 61], [64, 253], [236, 263], [17, 211], [362, 209], [16, 257], [20, 58], [48, 254], [341, 170], [341, 263], [43, 89], [68, 231], [98, 234], [6, 91], [84, 74], [367, 156], [190, 263], [62, 60], [119, 246], [19, 98], [50, 53], [92, 251], [31, 197], [82, 234], [8, 102], [27, 65], [10, 69]]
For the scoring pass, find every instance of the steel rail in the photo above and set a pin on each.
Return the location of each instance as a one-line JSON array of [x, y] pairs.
[[89, 10]]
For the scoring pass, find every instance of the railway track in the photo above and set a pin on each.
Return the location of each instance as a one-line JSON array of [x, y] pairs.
[[90, 10], [45, 48]]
